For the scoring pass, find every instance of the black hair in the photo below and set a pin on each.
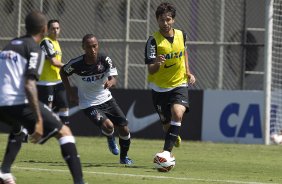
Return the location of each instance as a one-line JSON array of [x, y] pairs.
[[51, 22], [86, 37], [34, 22], [165, 8]]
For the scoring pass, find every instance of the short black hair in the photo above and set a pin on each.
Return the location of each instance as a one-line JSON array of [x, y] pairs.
[[86, 37], [165, 8], [34, 22], [51, 22]]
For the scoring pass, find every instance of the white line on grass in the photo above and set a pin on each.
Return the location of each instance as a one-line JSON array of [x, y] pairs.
[[145, 176]]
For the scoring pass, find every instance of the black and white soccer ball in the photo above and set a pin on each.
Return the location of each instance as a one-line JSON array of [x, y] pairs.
[[164, 161]]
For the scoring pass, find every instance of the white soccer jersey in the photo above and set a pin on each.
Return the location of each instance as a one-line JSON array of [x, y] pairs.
[[20, 58], [90, 79]]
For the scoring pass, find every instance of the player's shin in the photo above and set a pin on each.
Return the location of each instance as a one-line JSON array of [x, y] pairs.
[[124, 142], [13, 147], [171, 135], [69, 153]]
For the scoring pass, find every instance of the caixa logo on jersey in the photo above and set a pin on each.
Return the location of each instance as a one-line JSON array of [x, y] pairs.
[[248, 122]]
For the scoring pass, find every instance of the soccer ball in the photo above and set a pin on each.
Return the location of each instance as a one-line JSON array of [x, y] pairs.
[[277, 139], [164, 161]]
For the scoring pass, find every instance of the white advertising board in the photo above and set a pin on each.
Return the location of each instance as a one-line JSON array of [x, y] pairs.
[[233, 116]]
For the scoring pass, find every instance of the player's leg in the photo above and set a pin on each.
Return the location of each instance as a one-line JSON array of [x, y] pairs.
[[98, 117], [124, 142], [14, 144], [11, 115], [162, 106], [173, 131], [70, 154], [107, 129], [45, 94], [166, 126], [54, 127], [118, 118], [12, 149], [178, 103], [61, 103]]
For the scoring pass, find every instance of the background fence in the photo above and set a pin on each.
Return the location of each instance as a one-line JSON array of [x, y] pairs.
[[225, 37]]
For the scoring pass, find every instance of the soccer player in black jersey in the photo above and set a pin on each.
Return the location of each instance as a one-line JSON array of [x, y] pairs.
[[21, 62], [168, 73], [93, 73]]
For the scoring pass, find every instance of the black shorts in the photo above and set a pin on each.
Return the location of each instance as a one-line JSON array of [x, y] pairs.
[[163, 100], [56, 94], [108, 110], [18, 115]]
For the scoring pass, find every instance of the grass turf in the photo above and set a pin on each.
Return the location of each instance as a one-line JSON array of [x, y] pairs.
[[196, 163]]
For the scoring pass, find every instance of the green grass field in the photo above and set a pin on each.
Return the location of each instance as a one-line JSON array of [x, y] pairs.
[[196, 163]]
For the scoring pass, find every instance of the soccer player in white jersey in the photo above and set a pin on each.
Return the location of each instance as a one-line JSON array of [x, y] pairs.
[[93, 73], [21, 62]]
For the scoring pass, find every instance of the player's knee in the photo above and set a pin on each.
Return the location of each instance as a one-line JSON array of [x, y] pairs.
[[123, 130], [177, 116], [65, 131], [107, 126], [66, 139]]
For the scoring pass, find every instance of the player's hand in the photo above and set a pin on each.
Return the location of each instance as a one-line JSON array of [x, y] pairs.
[[38, 132], [191, 79], [160, 60], [108, 84]]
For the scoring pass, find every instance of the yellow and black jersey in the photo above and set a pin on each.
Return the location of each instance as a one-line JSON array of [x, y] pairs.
[[51, 48], [172, 73]]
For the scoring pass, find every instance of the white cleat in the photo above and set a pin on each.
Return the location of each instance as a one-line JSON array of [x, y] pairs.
[[7, 178]]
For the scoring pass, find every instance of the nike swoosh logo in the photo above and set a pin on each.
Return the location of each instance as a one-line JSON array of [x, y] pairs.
[[136, 124], [168, 66]]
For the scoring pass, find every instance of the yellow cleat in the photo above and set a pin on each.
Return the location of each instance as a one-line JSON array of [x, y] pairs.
[[178, 142]]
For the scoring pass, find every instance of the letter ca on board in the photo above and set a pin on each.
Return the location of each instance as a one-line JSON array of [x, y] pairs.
[[251, 123]]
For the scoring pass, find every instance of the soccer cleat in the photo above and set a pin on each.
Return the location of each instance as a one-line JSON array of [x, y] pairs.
[[7, 178], [126, 161], [178, 142], [112, 145]]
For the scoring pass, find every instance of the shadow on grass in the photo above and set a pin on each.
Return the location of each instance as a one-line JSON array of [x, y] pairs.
[[85, 165]]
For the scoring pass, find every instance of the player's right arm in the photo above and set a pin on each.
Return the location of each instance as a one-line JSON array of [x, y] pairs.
[[153, 62], [64, 73]]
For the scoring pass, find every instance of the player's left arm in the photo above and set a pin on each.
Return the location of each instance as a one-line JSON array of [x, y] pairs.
[[112, 73], [48, 48], [190, 77], [32, 73], [56, 62], [32, 96]]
